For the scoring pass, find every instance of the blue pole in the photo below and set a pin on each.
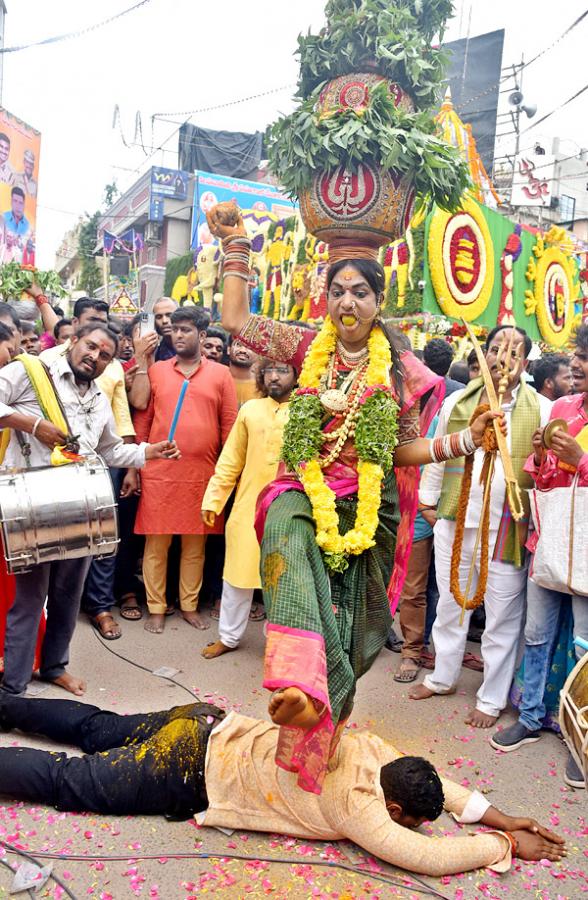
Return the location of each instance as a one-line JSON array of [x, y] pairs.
[[581, 643], [178, 410]]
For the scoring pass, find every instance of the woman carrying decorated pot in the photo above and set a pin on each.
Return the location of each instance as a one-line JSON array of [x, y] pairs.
[[329, 521]]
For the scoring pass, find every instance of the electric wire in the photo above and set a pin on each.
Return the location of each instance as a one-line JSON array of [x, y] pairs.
[[10, 848], [137, 665], [557, 109], [424, 888], [74, 34], [10, 869], [523, 65]]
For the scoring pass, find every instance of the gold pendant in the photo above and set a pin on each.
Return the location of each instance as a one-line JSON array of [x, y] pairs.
[[334, 401]]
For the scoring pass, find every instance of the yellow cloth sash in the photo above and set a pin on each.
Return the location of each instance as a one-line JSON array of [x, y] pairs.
[[45, 394]]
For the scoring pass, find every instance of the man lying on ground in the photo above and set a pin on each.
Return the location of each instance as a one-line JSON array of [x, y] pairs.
[[196, 759]]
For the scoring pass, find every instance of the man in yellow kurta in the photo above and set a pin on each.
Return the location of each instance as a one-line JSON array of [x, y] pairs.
[[250, 458]]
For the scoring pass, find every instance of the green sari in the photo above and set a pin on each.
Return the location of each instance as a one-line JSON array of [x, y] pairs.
[[324, 629]]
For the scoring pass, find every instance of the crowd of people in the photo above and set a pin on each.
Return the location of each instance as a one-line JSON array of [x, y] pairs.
[[194, 505]]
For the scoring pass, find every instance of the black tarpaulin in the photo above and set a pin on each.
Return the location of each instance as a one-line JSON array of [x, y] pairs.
[[233, 153]]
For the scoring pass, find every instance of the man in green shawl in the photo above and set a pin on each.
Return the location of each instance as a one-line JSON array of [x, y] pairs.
[[525, 411]]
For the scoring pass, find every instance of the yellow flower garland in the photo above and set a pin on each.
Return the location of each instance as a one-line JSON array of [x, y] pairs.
[[370, 475]]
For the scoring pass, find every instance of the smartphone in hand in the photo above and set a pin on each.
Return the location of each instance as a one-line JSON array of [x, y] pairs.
[[146, 324]]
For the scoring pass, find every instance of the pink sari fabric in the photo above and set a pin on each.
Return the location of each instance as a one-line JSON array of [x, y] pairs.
[[300, 662], [418, 381]]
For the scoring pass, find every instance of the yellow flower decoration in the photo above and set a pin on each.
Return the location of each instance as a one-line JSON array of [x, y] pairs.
[[554, 290], [370, 475], [461, 260]]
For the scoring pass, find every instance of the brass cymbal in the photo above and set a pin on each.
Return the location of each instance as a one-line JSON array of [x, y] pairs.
[[551, 428]]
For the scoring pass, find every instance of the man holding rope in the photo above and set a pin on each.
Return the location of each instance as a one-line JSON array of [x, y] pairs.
[[506, 572]]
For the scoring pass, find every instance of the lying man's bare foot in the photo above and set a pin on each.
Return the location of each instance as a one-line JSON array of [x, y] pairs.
[[70, 683], [292, 706], [480, 720], [155, 623], [217, 648], [195, 620]]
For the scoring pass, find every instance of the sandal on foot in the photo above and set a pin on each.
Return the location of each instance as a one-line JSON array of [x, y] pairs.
[[471, 661], [406, 675], [106, 626], [257, 613], [427, 660], [132, 612]]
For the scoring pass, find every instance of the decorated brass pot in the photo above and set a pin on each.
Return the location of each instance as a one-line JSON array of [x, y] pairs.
[[365, 206]]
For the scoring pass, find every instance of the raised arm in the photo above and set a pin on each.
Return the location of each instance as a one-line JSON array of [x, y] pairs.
[[225, 222], [48, 315]]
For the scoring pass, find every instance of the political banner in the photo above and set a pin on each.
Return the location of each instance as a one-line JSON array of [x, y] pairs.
[[20, 146], [210, 189]]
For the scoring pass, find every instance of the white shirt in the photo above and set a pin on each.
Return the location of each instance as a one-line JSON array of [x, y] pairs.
[[89, 416], [432, 477]]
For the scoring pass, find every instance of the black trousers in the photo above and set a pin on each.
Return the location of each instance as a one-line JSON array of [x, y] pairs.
[[149, 763]]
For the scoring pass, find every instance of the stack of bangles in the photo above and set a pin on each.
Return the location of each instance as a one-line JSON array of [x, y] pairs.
[[451, 446], [514, 844], [237, 250]]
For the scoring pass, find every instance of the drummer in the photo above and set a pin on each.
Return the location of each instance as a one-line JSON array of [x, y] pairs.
[[33, 438]]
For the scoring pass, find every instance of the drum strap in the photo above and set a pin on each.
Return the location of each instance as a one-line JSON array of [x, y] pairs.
[[25, 448], [48, 400]]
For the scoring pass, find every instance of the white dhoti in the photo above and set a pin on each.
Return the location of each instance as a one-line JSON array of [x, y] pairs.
[[505, 607], [234, 613]]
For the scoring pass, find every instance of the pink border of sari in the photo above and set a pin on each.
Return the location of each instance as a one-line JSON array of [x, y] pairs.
[[295, 657]]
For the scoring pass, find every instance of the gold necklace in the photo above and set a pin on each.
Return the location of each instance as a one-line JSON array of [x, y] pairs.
[[352, 359]]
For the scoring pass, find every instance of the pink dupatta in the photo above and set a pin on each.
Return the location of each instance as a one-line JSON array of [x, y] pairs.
[[418, 381]]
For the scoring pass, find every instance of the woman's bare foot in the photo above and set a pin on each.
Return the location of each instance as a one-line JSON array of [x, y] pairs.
[[217, 648], [155, 623], [292, 706], [70, 683], [480, 720], [195, 620]]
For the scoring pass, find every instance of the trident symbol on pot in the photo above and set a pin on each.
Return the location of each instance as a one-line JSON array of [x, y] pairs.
[[347, 192]]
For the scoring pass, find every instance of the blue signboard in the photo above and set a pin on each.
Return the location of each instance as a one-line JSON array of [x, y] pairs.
[[170, 183], [210, 189]]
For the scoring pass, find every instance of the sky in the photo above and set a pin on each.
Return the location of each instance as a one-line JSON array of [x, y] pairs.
[[175, 56]]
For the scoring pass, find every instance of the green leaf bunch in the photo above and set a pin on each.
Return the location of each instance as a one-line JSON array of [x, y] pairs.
[[376, 432], [395, 36], [14, 280], [303, 437], [302, 144]]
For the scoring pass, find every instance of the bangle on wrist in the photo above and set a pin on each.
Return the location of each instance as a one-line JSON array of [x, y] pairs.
[[36, 425], [514, 844], [452, 446], [41, 299]]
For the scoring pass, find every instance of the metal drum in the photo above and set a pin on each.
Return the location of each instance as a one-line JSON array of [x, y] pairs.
[[56, 513], [573, 713]]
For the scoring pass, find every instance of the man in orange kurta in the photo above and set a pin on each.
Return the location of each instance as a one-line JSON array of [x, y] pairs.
[[171, 500]]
